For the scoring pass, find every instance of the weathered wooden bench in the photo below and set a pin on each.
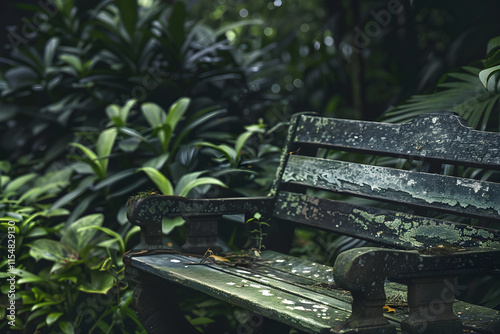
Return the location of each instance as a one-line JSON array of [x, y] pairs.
[[429, 229]]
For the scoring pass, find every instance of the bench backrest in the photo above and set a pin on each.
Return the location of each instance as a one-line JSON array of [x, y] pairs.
[[430, 144]]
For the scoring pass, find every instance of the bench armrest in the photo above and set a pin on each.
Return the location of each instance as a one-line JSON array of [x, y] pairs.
[[429, 275], [201, 216]]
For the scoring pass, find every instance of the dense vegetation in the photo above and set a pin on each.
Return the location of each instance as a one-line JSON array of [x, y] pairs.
[[101, 100]]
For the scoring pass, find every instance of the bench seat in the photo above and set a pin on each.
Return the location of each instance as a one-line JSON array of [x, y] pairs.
[[291, 290]]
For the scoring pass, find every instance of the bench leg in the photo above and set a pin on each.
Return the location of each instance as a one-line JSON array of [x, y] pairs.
[[367, 313], [157, 309], [431, 307]]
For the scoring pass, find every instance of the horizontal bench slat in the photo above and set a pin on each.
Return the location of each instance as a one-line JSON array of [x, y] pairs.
[[307, 299], [278, 300], [444, 138], [467, 196], [392, 228]]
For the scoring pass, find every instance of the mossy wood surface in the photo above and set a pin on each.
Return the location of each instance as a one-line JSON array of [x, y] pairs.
[[432, 191], [386, 227], [443, 137], [294, 291]]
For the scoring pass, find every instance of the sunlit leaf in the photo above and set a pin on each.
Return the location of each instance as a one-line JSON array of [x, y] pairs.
[[154, 114], [66, 327], [199, 182], [104, 146], [72, 60], [52, 317], [240, 142], [163, 184], [484, 75], [93, 160]]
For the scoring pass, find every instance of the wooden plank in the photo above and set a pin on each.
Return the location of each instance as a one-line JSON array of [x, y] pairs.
[[441, 136], [289, 304], [441, 192], [391, 228]]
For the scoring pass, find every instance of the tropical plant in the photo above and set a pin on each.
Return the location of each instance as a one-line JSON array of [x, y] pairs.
[[84, 59], [84, 264], [473, 92]]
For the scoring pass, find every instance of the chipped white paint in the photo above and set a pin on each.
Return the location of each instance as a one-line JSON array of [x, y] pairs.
[[243, 271], [266, 292], [175, 261]]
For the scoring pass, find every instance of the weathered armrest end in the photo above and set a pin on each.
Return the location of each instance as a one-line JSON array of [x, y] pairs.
[[429, 277], [201, 217]]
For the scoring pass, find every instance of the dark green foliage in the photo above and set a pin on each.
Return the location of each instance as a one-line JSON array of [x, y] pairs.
[[86, 99]]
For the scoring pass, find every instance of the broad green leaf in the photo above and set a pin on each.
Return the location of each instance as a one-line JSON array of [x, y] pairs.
[[72, 60], [19, 182], [116, 237], [199, 182], [41, 305], [163, 184], [113, 113], [52, 250], [78, 235], [240, 142], [129, 144], [104, 146], [484, 75], [168, 224], [94, 162], [52, 317], [154, 114], [164, 136], [100, 282], [176, 112], [229, 152], [185, 179], [66, 327], [50, 50]]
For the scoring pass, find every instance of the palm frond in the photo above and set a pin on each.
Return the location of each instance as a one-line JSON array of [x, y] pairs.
[[461, 92]]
